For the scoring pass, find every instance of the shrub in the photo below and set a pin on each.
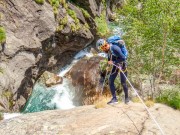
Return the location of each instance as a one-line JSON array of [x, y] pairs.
[[170, 97], [39, 1], [102, 27], [149, 103], [2, 35], [101, 102]]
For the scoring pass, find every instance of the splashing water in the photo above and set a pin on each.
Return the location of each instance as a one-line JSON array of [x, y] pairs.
[[10, 115], [64, 95], [56, 97]]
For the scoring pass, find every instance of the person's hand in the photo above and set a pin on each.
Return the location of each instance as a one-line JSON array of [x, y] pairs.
[[110, 62], [121, 42]]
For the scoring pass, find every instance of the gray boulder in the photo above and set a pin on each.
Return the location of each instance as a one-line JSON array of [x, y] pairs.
[[33, 45]]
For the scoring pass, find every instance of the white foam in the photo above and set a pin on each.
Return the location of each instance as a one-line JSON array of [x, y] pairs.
[[103, 55], [64, 95], [66, 68], [11, 115]]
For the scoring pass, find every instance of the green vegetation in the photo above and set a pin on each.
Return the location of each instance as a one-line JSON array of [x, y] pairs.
[[59, 28], [76, 25], [39, 1], [64, 4], [73, 15], [170, 97], [1, 116], [55, 5], [103, 65], [151, 34], [62, 23], [102, 27], [85, 13], [1, 70], [86, 26], [8, 95], [2, 35]]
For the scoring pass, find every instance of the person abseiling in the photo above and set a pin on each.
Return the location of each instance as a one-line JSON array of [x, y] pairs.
[[117, 54]]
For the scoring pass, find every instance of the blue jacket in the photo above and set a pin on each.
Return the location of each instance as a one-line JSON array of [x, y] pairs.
[[116, 54]]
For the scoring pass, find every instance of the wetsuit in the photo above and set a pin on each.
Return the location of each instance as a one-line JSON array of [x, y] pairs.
[[118, 58]]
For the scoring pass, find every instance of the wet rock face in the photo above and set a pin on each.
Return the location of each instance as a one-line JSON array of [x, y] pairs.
[[33, 45], [85, 74]]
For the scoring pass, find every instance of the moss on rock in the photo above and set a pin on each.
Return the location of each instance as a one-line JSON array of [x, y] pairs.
[[2, 35], [39, 1]]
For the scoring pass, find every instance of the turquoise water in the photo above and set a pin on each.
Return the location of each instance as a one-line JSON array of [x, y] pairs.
[[40, 99], [56, 97], [60, 96]]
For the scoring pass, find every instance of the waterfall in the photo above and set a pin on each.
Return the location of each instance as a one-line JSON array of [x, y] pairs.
[[56, 97]]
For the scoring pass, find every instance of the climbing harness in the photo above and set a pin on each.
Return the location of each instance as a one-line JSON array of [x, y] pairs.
[[141, 100], [107, 76]]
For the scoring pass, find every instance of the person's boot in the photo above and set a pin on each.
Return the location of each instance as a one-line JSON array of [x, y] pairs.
[[113, 101], [126, 100]]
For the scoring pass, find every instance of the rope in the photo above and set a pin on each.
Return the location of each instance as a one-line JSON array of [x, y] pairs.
[[141, 101]]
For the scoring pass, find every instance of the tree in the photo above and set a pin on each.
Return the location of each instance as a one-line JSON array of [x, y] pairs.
[[151, 34]]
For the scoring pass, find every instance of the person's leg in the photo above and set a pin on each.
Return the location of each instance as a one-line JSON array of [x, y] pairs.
[[112, 77], [123, 82]]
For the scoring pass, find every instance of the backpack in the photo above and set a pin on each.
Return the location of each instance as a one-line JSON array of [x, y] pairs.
[[114, 41]]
